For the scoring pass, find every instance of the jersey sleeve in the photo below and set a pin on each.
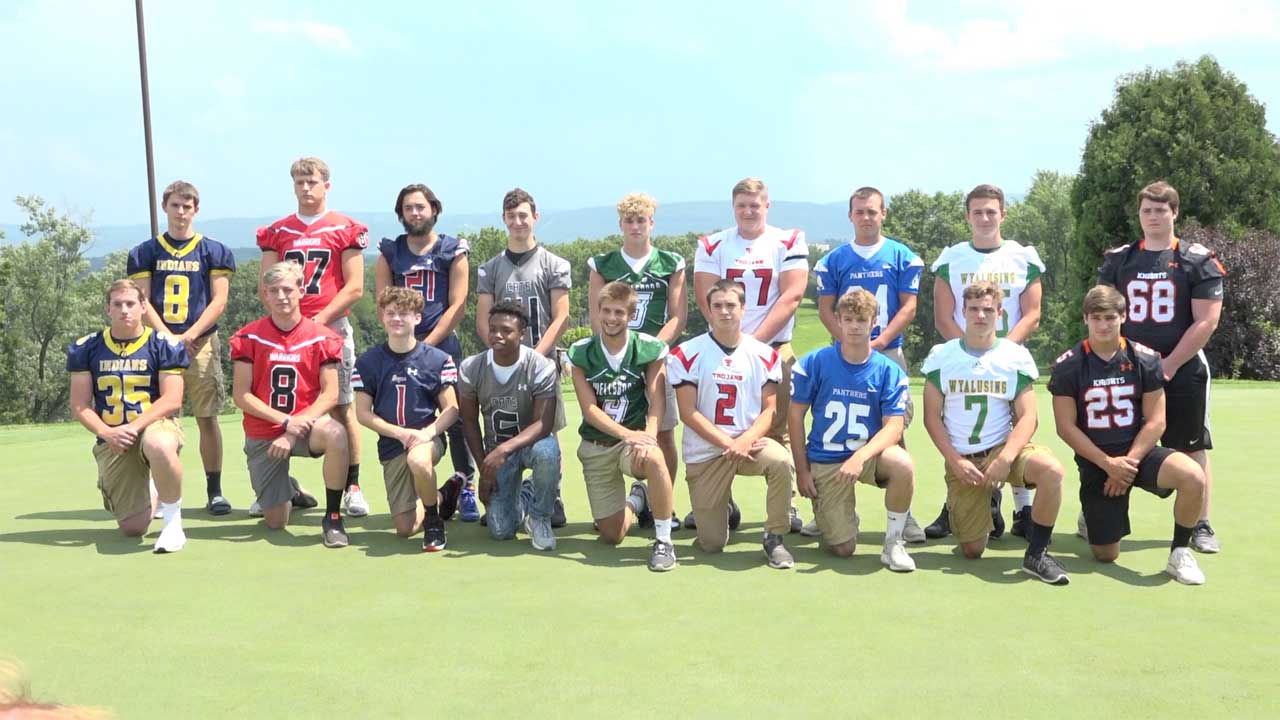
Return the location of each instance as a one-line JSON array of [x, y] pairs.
[[364, 378], [355, 237], [222, 262], [941, 266], [795, 252], [895, 390], [268, 239], [649, 349], [1062, 379], [1035, 266], [706, 254], [544, 381], [1025, 367], [78, 354], [772, 365], [141, 262], [331, 348], [448, 372], [558, 273], [1150, 369], [932, 366], [804, 379], [387, 249], [823, 275], [466, 376], [578, 353], [171, 353], [485, 280], [591, 264], [241, 347], [910, 269], [462, 248], [1206, 273], [680, 364], [1109, 271]]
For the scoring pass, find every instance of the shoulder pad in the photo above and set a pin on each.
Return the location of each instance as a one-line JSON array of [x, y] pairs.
[[1117, 249], [1065, 355], [1198, 249], [1143, 349], [84, 339]]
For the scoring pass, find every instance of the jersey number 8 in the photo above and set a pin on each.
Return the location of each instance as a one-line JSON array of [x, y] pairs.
[[177, 290]]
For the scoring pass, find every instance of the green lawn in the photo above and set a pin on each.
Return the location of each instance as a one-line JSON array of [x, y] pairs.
[[273, 625]]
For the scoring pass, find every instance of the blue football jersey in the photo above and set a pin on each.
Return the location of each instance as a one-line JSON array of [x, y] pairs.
[[848, 402], [892, 269], [403, 387], [126, 377], [427, 273], [180, 274]]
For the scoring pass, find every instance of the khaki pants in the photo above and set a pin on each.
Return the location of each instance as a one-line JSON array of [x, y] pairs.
[[971, 505], [710, 483], [402, 492], [605, 469], [834, 506], [124, 480], [202, 382]]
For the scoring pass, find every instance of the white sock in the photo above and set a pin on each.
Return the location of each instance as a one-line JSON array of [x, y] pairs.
[[171, 511], [897, 522], [662, 529], [1021, 498]]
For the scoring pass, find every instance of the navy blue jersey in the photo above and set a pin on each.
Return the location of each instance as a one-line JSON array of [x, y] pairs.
[[126, 377], [1108, 393], [427, 273], [180, 274], [892, 268], [848, 401], [404, 387]]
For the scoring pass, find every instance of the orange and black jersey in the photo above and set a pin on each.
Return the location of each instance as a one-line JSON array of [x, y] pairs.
[[1108, 393], [1159, 286]]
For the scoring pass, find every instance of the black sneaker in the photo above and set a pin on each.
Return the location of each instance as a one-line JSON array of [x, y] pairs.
[[218, 505], [433, 537], [1045, 567], [335, 535], [796, 523], [557, 514], [663, 557], [301, 499], [941, 527], [997, 520], [645, 517], [450, 491], [1021, 522], [689, 522], [735, 515], [675, 521]]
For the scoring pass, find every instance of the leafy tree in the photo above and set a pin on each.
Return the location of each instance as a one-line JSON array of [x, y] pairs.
[[926, 224], [1044, 220]]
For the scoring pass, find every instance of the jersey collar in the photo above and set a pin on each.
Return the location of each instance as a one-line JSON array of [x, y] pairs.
[[1142, 244], [125, 350], [191, 245]]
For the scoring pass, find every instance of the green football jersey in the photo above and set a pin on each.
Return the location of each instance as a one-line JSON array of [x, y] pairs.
[[619, 391], [651, 282]]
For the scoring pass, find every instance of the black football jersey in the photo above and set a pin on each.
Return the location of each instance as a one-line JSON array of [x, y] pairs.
[[1159, 285], [1108, 393]]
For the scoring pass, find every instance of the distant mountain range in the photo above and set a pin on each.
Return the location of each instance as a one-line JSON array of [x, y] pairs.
[[821, 222]]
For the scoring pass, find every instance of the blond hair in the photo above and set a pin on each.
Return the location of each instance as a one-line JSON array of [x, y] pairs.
[[981, 289], [283, 270], [619, 292], [750, 186], [402, 298], [859, 302], [123, 285], [637, 204], [305, 166]]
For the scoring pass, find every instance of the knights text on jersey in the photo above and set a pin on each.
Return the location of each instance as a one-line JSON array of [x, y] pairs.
[[979, 387], [757, 264], [1108, 393], [529, 283], [890, 269], [620, 391], [403, 387], [427, 273], [1012, 266], [126, 375], [848, 401], [318, 248], [180, 274], [286, 367], [651, 282]]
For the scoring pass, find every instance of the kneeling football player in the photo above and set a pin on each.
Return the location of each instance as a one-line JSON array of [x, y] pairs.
[[859, 398], [285, 380], [400, 386], [1109, 406], [620, 380], [126, 385]]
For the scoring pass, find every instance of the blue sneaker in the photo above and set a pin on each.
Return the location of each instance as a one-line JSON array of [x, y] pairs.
[[468, 509]]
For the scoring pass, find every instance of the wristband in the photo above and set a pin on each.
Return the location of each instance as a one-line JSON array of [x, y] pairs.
[[284, 424]]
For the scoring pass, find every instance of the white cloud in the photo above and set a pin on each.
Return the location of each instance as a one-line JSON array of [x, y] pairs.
[[318, 33]]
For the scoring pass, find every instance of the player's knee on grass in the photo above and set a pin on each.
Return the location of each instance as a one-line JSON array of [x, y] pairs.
[[844, 549], [614, 527], [277, 516], [1105, 553], [973, 550], [405, 523], [136, 524]]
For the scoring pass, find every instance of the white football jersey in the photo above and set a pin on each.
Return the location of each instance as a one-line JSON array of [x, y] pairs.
[[979, 389], [729, 386], [1011, 266], [757, 264]]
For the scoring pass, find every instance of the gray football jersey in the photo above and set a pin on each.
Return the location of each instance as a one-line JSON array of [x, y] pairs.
[[530, 283], [507, 407]]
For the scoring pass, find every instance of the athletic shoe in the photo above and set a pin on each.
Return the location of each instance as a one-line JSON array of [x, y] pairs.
[[941, 527], [1183, 567], [218, 505], [644, 517], [156, 514], [468, 509], [1203, 540], [675, 521], [894, 556], [796, 523], [354, 502], [689, 523], [663, 557], [433, 537], [558, 519], [304, 500], [171, 539], [1082, 528], [811, 529], [1046, 567], [1021, 522], [735, 515], [776, 552], [450, 491], [255, 510], [335, 535], [912, 533], [540, 534], [997, 520]]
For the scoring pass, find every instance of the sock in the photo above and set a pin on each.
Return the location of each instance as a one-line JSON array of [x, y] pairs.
[[173, 511], [897, 523], [1021, 498], [353, 476], [213, 483], [1039, 538], [636, 502], [433, 511], [332, 502], [1181, 536], [662, 530]]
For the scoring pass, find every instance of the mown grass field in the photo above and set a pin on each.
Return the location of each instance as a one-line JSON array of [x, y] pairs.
[[256, 624]]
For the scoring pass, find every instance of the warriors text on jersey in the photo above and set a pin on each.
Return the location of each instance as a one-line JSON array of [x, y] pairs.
[[286, 367], [649, 276], [528, 280], [1108, 393], [126, 375], [403, 387], [180, 273], [427, 273], [757, 264], [884, 270], [318, 248], [1011, 266], [505, 395], [848, 401], [979, 388], [619, 385], [1159, 286], [729, 383]]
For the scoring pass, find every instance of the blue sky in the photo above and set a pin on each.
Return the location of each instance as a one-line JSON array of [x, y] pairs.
[[579, 102]]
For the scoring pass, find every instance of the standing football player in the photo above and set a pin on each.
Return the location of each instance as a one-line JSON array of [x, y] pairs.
[[1109, 406], [1174, 294], [126, 386], [328, 246], [186, 277]]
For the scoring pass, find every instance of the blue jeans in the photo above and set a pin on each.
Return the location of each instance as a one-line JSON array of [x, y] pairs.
[[506, 506]]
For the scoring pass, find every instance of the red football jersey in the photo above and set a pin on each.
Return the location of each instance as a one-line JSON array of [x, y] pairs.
[[318, 248], [286, 367]]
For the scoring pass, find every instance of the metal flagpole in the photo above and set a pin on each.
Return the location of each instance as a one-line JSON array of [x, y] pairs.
[[146, 118]]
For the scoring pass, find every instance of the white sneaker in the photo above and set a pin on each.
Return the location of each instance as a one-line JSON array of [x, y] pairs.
[[1082, 528], [171, 539], [157, 515], [895, 557], [810, 529], [541, 535], [1183, 567], [255, 510], [355, 503], [913, 533]]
